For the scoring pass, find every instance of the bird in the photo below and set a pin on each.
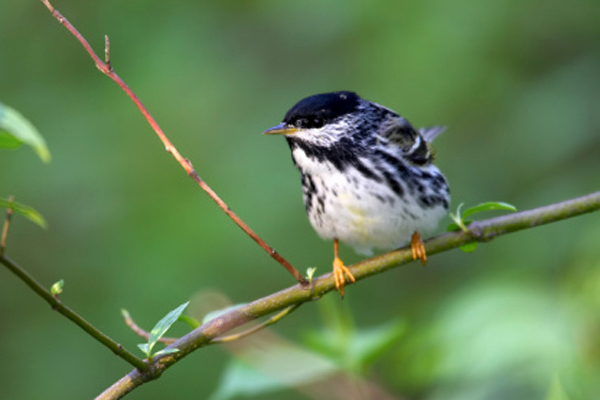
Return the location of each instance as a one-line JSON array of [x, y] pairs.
[[368, 178]]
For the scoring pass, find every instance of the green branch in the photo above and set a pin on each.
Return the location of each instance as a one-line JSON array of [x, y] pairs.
[[57, 305], [481, 231]]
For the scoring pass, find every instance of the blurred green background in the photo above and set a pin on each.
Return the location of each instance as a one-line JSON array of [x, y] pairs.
[[516, 82]]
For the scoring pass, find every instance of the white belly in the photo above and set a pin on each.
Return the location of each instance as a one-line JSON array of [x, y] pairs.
[[364, 213]]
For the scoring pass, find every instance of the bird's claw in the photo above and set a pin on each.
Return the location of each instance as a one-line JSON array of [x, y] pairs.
[[418, 248], [339, 269]]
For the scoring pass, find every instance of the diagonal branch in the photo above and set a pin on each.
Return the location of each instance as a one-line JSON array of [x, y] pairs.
[[481, 231], [58, 306], [106, 69]]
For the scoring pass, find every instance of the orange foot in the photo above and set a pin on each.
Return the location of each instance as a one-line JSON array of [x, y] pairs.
[[418, 248], [339, 269]]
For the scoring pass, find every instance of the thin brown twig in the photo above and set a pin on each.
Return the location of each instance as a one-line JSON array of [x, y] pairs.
[[223, 339], [275, 318], [6, 226], [106, 69], [141, 332]]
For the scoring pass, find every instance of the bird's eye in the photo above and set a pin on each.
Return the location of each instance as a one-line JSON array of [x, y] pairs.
[[302, 123], [309, 122]]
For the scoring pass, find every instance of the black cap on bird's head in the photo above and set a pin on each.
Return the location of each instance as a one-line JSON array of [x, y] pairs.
[[316, 111], [325, 107]]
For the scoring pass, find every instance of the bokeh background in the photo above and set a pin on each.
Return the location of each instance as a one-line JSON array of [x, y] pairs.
[[516, 82]]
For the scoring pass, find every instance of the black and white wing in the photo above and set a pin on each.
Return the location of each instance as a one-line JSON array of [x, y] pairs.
[[413, 144]]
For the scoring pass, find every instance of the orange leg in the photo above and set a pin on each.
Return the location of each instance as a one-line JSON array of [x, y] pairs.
[[418, 248], [339, 269]]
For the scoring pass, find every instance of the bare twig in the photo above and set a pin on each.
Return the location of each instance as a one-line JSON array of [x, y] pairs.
[[275, 318], [481, 231], [107, 53], [106, 69], [141, 332], [6, 226], [57, 305], [169, 340]]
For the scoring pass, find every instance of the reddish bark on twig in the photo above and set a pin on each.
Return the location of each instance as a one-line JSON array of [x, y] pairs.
[[106, 69]]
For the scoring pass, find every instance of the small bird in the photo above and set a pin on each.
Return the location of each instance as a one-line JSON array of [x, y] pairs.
[[367, 175]]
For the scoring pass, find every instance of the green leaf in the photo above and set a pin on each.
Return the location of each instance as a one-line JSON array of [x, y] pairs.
[[491, 205], [268, 369], [26, 211], [454, 226], [8, 141], [57, 288], [161, 328], [145, 349], [460, 218], [369, 344], [556, 390], [356, 350], [192, 322], [334, 338], [169, 350], [469, 247], [16, 129], [240, 379]]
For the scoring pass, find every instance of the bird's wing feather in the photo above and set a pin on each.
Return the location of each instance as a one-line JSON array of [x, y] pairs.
[[413, 144]]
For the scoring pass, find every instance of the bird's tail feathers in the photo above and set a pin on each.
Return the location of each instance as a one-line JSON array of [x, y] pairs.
[[431, 132]]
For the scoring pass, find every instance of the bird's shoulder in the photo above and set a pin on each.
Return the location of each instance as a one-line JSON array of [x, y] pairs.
[[400, 137]]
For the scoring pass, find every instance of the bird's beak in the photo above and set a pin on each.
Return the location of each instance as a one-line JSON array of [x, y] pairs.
[[281, 129]]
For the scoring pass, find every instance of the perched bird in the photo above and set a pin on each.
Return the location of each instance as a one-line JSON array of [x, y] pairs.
[[367, 175]]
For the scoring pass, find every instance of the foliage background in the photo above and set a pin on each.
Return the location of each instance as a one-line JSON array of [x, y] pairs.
[[517, 84]]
